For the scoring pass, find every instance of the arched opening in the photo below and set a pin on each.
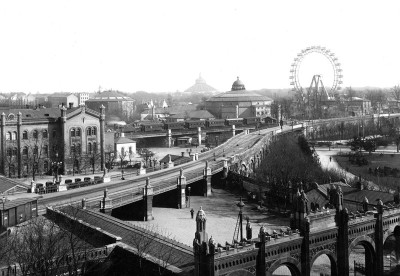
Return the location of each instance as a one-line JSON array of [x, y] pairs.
[[323, 264], [243, 169], [362, 260], [287, 266], [391, 252], [286, 270]]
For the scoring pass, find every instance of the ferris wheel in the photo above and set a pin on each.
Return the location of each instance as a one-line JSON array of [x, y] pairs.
[[295, 69]]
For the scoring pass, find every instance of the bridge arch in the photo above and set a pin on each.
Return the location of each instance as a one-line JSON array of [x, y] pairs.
[[292, 264], [364, 246], [332, 258]]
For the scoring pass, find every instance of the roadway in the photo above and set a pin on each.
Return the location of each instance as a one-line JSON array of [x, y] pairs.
[[161, 180]]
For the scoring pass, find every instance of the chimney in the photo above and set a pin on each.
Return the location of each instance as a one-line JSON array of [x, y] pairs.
[[71, 105], [122, 134], [183, 153]]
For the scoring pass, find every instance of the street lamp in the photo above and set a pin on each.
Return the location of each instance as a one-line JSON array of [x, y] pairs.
[[56, 166], [189, 195], [240, 205], [3, 212]]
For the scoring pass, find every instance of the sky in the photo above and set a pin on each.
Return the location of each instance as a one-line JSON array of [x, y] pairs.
[[162, 46]]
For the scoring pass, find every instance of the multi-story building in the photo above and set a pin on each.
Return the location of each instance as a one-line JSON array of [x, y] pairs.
[[239, 103], [37, 141], [82, 97]]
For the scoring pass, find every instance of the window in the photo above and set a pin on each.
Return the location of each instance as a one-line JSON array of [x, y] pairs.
[[89, 150], [72, 148], [89, 131], [14, 136], [9, 152], [130, 150], [54, 134], [35, 134], [122, 151], [94, 147], [45, 150], [73, 132], [25, 135], [45, 133], [94, 131], [15, 152], [25, 151], [35, 150], [78, 148], [8, 136], [78, 132]]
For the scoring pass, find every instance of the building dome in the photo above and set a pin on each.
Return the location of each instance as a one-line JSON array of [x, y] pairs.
[[238, 85]]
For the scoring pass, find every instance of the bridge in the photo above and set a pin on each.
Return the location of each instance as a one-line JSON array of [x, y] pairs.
[[246, 148], [332, 233]]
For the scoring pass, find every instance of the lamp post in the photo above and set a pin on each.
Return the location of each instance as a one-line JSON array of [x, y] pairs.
[[56, 166], [189, 195], [240, 205]]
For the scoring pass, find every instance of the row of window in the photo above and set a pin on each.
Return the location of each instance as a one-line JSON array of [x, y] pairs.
[[35, 150], [76, 148], [76, 131], [10, 136]]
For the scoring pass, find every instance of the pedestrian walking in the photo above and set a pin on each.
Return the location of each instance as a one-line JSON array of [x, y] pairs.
[[192, 212], [330, 158]]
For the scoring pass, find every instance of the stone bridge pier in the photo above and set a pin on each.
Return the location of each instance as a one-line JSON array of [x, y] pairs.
[[207, 174]]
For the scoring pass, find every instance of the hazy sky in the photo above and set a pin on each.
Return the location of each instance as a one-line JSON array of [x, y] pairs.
[[48, 46]]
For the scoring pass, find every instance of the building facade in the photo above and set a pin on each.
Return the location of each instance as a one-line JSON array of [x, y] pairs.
[[239, 103], [51, 140], [115, 103]]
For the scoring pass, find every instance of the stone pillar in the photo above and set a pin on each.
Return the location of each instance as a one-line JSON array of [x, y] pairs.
[[378, 243], [249, 230], [2, 141], [170, 163], [199, 135], [233, 130], [102, 140], [224, 172], [260, 262], [19, 161], [106, 204], [342, 220], [181, 190], [148, 201], [365, 204], [207, 180], [169, 137], [305, 247], [33, 186], [64, 138]]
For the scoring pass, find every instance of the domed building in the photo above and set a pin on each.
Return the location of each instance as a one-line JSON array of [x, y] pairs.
[[201, 86], [239, 103]]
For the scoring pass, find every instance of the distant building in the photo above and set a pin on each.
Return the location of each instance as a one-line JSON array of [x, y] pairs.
[[115, 103], [191, 115], [358, 106], [239, 103], [82, 98], [201, 86], [63, 99]]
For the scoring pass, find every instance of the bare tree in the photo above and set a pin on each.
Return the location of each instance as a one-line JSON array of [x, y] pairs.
[[10, 160], [155, 248], [34, 152], [122, 155], [395, 91]]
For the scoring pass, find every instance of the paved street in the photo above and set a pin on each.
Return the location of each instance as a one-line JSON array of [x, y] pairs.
[[222, 214]]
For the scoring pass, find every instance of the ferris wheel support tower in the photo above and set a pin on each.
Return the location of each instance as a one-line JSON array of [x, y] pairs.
[[311, 97]]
